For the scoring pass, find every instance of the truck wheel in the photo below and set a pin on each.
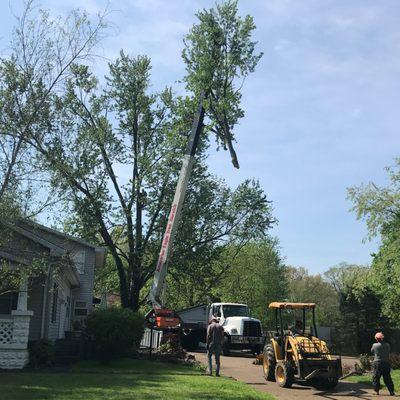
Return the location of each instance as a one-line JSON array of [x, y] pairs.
[[284, 374], [226, 346], [269, 363], [256, 349]]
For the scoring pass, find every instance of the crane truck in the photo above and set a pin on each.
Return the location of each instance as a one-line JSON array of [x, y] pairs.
[[241, 331]]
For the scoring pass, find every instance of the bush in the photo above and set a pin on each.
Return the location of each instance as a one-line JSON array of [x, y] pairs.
[[41, 353], [365, 362], [395, 360], [117, 332]]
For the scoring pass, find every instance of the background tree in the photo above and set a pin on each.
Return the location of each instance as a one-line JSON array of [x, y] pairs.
[[303, 287], [256, 277], [360, 308], [380, 207]]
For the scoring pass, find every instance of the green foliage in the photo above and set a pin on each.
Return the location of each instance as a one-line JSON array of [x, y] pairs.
[[380, 206], [385, 275], [218, 222], [41, 353], [42, 51], [254, 275], [219, 54], [306, 288], [117, 332], [365, 362], [360, 308], [11, 276]]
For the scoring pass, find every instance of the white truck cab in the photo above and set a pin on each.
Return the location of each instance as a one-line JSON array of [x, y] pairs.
[[241, 331]]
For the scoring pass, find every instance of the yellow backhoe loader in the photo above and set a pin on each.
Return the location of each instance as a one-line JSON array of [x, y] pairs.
[[296, 355]]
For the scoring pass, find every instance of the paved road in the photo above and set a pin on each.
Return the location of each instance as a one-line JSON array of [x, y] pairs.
[[241, 367]]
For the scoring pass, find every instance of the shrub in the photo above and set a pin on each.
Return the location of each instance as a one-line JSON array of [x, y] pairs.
[[365, 362], [171, 348], [117, 332], [395, 360], [41, 353]]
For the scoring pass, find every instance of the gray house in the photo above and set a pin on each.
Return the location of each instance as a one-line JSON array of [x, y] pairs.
[[45, 306]]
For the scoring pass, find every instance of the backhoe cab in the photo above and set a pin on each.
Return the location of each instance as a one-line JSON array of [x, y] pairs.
[[296, 355]]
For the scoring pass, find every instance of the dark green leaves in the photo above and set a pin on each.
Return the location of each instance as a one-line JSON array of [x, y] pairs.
[[219, 54]]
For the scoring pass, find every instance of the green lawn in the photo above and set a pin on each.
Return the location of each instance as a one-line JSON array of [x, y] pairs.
[[367, 379], [123, 380]]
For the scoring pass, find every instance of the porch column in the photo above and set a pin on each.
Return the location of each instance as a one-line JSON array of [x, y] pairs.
[[15, 354], [23, 295]]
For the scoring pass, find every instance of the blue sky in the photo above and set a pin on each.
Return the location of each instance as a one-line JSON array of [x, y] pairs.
[[322, 108]]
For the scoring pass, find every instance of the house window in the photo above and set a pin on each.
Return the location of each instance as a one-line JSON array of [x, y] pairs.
[[8, 302], [54, 304], [79, 261], [80, 309]]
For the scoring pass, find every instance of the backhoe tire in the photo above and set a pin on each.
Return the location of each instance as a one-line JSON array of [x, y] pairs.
[[326, 383], [284, 374], [269, 363], [226, 346]]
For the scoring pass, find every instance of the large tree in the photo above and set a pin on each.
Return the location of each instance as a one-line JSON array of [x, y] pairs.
[[114, 152], [42, 51], [380, 207]]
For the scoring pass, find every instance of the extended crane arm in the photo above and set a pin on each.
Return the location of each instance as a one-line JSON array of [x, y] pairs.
[[176, 208]]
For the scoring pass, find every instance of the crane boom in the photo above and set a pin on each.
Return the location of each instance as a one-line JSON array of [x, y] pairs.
[[176, 208]]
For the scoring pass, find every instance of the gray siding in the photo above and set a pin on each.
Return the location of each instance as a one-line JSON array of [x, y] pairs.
[[85, 290], [35, 304], [58, 326]]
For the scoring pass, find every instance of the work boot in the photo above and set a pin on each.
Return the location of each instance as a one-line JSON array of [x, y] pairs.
[[376, 391], [392, 393]]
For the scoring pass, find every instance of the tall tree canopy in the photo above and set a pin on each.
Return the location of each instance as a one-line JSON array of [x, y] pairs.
[[113, 152], [219, 54]]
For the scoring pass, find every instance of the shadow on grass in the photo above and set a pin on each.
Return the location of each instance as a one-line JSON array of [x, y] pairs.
[[121, 385]]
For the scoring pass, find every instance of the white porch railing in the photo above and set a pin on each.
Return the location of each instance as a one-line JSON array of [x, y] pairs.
[[154, 339], [6, 330], [14, 333]]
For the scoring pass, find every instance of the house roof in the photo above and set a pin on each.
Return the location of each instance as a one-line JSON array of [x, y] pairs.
[[60, 234], [100, 252], [31, 230]]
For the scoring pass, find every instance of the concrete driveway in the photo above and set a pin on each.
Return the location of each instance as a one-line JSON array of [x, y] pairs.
[[241, 368]]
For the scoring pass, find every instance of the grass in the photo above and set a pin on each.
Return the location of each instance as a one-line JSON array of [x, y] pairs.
[[123, 380], [367, 379]]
